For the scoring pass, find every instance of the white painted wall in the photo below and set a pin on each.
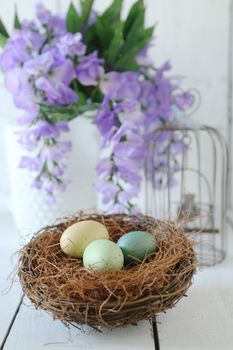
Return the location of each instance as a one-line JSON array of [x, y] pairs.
[[192, 34]]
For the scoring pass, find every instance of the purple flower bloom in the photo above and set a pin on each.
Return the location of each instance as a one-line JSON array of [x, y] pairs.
[[126, 196], [40, 65], [128, 150], [50, 199], [57, 151], [71, 45], [116, 208], [63, 126], [59, 170], [56, 24], [26, 118], [17, 82], [106, 119], [90, 70], [45, 65], [13, 55], [121, 86], [108, 190], [142, 58], [104, 167], [129, 170], [58, 94], [33, 164], [184, 100], [20, 47]]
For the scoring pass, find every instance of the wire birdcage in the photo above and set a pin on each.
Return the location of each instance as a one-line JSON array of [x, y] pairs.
[[194, 185]]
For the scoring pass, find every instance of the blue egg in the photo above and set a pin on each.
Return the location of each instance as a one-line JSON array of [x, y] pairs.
[[137, 244]]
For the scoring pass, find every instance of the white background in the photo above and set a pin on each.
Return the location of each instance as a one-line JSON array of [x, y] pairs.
[[192, 34]]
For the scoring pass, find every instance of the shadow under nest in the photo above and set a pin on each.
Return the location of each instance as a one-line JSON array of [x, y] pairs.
[[62, 286]]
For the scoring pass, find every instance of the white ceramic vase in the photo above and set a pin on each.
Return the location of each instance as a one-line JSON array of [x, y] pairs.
[[27, 204]]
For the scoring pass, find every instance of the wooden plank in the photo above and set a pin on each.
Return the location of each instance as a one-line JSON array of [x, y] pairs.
[[37, 330], [203, 320], [11, 323], [9, 243], [29, 329]]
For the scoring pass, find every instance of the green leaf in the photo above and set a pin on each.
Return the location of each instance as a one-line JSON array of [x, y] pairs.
[[115, 45], [73, 20], [137, 26], [139, 39], [129, 66], [86, 9], [3, 30], [113, 12], [17, 24], [133, 13], [97, 96], [57, 113], [3, 40], [103, 32], [128, 53]]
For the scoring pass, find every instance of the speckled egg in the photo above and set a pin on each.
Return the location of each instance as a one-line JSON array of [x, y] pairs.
[[78, 236], [103, 255], [137, 244]]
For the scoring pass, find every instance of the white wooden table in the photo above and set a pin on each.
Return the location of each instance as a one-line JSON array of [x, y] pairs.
[[203, 320]]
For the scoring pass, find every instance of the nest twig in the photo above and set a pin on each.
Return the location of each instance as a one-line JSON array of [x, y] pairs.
[[62, 286]]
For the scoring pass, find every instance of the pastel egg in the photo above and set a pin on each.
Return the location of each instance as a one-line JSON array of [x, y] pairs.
[[103, 255], [137, 244], [76, 237]]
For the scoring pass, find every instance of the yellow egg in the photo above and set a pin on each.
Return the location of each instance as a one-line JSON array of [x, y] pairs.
[[76, 237]]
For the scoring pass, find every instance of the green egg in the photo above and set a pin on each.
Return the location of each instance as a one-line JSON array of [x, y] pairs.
[[137, 244], [102, 255]]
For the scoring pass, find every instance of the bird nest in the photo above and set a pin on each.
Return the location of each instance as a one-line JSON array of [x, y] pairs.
[[62, 286]]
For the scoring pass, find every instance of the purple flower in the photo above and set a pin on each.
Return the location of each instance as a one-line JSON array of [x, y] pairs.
[[59, 170], [63, 126], [108, 190], [126, 196], [55, 24], [40, 65], [184, 100], [57, 151], [128, 169], [46, 65], [17, 82], [13, 55], [50, 199], [56, 94], [116, 208], [128, 150], [142, 58], [104, 167], [20, 48], [90, 70], [71, 45], [33, 164], [121, 86], [27, 118], [106, 119]]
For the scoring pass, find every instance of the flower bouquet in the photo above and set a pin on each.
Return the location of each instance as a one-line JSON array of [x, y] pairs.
[[61, 67]]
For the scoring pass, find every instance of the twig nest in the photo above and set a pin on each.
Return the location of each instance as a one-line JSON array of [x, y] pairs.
[[61, 285]]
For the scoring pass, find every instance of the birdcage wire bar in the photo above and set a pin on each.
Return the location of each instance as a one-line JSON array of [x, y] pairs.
[[201, 190]]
